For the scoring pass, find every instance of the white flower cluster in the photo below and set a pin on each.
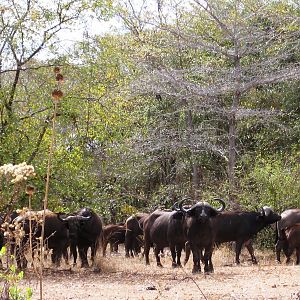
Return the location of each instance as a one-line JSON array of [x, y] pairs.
[[17, 173]]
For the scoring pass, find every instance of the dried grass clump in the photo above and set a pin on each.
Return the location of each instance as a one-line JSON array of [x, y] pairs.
[[105, 265]]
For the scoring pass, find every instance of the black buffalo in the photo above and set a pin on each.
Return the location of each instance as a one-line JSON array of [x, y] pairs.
[[240, 227], [134, 228], [288, 218], [56, 235], [200, 232], [85, 230], [164, 229]]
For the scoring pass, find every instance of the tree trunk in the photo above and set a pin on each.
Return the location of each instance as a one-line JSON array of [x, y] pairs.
[[232, 129], [232, 156], [195, 165]]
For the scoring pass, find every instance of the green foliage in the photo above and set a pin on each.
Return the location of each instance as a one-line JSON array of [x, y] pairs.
[[11, 279], [272, 181], [266, 238], [120, 150]]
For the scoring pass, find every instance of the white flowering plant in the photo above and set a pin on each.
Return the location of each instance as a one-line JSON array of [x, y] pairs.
[[13, 180]]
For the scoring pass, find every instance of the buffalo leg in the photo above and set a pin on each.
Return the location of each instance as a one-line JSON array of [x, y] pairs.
[[207, 257], [147, 248], [248, 245], [56, 257], [156, 252], [278, 248], [281, 244], [105, 243], [74, 253], [187, 252], [288, 254], [94, 249], [238, 248], [178, 253], [129, 237], [83, 256], [298, 256], [66, 255], [136, 246], [196, 259], [173, 253]]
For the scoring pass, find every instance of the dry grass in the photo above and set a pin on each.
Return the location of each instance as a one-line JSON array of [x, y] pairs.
[[123, 278]]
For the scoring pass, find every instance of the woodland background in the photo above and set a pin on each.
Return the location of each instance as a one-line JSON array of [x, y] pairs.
[[174, 99]]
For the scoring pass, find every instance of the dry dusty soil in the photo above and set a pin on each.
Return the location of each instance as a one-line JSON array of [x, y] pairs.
[[122, 278]]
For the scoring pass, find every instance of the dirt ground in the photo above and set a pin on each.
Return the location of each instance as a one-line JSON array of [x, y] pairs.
[[122, 278]]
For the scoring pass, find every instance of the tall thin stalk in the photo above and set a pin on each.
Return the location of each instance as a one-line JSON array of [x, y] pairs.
[[29, 192], [56, 95]]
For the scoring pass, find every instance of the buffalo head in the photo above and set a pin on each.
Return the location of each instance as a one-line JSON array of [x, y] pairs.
[[74, 223], [201, 211], [268, 215]]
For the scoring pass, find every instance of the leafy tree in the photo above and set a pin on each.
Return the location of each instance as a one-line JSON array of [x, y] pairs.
[[29, 34], [230, 49]]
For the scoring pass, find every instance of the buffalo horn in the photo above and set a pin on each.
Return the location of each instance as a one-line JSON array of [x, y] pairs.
[[175, 206], [83, 218], [180, 206], [68, 218], [220, 209]]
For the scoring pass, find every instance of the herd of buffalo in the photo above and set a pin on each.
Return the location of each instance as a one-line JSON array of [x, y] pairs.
[[195, 228]]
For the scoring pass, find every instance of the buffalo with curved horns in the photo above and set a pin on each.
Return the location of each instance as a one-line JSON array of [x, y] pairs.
[[240, 227], [200, 232], [85, 230]]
